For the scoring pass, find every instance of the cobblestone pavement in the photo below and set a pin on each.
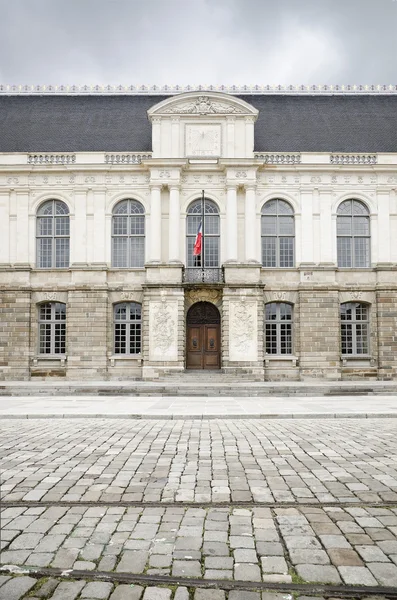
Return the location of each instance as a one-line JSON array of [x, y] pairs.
[[97, 460], [183, 485]]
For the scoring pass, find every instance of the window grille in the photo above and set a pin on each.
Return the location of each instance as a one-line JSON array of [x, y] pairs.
[[353, 235], [127, 328], [52, 328], [53, 235], [278, 234], [211, 233], [128, 235], [354, 328], [278, 328]]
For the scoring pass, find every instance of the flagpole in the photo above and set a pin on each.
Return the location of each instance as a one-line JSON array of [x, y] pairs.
[[202, 234]]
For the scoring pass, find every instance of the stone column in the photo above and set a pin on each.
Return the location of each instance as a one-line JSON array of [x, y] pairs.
[[156, 136], [325, 201], [250, 224], [155, 223], [174, 221], [175, 137], [231, 223], [307, 227], [5, 219], [383, 228], [249, 136], [78, 237], [230, 136]]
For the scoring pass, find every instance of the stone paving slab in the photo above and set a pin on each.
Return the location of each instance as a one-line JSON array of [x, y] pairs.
[[147, 541], [208, 405], [241, 460]]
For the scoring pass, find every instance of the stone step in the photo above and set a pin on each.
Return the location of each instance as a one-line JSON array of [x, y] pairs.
[[197, 389]]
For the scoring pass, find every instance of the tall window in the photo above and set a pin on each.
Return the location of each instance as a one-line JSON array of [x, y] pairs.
[[128, 234], [278, 234], [52, 328], [211, 233], [127, 328], [53, 231], [278, 328], [353, 234], [354, 328]]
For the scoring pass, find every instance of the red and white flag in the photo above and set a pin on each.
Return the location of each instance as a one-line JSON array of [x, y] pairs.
[[198, 242]]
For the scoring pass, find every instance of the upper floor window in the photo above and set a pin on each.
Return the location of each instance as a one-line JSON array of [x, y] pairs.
[[278, 234], [278, 328], [52, 328], [128, 234], [127, 328], [354, 328], [211, 234], [353, 234], [53, 235]]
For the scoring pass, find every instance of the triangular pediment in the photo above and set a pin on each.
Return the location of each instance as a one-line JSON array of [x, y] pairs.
[[204, 104]]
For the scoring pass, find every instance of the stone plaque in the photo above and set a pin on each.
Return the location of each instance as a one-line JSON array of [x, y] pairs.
[[203, 140], [163, 331], [243, 331]]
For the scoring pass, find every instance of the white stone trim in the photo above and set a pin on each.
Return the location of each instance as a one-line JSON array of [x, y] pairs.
[[152, 90]]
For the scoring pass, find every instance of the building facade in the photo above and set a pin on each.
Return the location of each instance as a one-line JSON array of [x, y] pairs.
[[102, 195]]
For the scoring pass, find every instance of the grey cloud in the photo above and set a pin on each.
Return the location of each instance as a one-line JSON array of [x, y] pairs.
[[198, 41]]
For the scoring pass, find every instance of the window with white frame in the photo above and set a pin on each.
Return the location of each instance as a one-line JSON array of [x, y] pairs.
[[127, 328], [128, 235], [278, 234], [353, 235], [211, 233], [354, 328], [53, 235], [278, 328], [52, 328]]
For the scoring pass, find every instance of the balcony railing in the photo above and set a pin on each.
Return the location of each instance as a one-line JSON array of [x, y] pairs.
[[200, 275]]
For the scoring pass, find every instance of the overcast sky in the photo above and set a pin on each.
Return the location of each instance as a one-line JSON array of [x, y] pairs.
[[198, 41]]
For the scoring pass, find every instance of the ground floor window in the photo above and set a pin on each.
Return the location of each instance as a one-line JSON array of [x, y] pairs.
[[127, 328], [354, 328], [52, 328], [278, 328]]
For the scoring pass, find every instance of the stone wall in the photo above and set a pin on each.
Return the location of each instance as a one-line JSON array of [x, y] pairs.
[[387, 333], [14, 334], [319, 334]]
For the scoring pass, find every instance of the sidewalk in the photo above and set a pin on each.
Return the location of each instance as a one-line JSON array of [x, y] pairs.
[[173, 407]]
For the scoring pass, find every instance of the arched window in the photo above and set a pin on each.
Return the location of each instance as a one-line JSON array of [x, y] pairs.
[[128, 235], [211, 233], [127, 328], [52, 233], [278, 234], [278, 328], [354, 328], [52, 328], [353, 234]]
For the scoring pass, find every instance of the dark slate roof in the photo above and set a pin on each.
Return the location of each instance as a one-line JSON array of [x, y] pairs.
[[119, 123]]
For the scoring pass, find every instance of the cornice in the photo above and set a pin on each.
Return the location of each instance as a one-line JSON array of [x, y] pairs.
[[169, 90]]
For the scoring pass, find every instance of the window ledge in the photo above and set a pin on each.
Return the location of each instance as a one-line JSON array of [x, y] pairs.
[[114, 358], [358, 360], [281, 358], [53, 358]]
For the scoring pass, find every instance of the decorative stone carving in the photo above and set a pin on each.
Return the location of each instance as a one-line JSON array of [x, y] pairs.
[[13, 180], [353, 159], [278, 159], [241, 174], [357, 296], [315, 179], [204, 105], [51, 159], [203, 140], [51, 296], [128, 296], [243, 331], [392, 179], [163, 331], [202, 295], [127, 159], [90, 179], [280, 296]]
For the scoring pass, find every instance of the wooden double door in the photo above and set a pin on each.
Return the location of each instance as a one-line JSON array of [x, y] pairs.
[[203, 337]]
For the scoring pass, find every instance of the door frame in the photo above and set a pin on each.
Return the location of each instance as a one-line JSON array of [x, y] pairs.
[[207, 315]]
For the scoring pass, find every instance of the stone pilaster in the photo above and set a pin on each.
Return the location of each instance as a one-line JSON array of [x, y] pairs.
[[386, 303], [14, 334]]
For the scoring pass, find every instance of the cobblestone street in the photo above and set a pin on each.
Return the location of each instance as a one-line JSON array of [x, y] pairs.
[[159, 509]]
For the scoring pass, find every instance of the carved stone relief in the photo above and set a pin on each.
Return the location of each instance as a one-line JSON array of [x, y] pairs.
[[50, 296], [280, 296], [202, 295], [243, 331], [204, 105], [203, 140], [357, 296], [163, 331]]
